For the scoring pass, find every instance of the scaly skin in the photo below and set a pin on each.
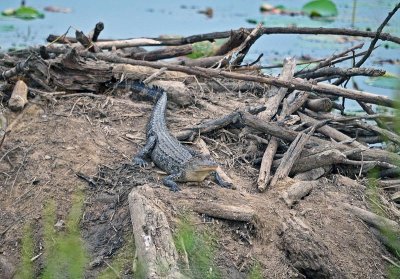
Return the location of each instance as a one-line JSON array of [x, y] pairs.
[[180, 162]]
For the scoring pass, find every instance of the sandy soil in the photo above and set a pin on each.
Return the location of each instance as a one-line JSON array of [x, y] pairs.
[[50, 142]]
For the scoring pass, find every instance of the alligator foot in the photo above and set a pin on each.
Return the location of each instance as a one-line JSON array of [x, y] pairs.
[[169, 182], [222, 182], [140, 162]]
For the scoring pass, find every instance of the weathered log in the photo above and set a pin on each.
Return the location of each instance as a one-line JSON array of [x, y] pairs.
[[374, 220], [19, 96], [297, 191], [317, 105], [153, 239], [226, 211], [312, 174], [293, 102], [142, 72], [326, 158], [176, 91], [333, 72], [163, 53], [96, 31]]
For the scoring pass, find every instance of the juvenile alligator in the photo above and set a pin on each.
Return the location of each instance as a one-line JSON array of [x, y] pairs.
[[180, 162]]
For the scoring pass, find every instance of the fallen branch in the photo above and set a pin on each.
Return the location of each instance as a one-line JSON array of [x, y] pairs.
[[374, 220]]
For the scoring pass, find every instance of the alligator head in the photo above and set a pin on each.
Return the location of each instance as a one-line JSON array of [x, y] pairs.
[[198, 168]]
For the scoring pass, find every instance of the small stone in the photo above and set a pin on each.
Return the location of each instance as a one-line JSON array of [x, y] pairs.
[[60, 224], [47, 157]]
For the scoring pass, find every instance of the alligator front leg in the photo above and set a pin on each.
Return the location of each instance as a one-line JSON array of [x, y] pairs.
[[220, 181], [146, 150], [169, 181]]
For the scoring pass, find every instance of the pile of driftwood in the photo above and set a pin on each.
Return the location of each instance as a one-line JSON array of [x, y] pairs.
[[299, 115]]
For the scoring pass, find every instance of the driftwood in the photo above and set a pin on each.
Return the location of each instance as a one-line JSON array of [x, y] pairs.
[[153, 240]]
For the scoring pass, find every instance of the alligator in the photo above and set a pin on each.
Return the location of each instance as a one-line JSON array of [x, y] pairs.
[[182, 163]]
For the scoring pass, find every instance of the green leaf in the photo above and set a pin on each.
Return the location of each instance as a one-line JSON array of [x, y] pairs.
[[388, 80], [320, 8], [202, 49], [23, 12]]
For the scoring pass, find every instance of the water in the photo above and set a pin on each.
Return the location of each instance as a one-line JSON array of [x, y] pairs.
[[128, 19]]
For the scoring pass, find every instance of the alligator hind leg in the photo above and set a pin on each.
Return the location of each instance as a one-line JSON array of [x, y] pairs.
[[169, 181], [146, 150]]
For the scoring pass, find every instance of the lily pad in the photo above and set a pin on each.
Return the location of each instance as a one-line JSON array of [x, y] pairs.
[[206, 48], [23, 12], [320, 8], [388, 80]]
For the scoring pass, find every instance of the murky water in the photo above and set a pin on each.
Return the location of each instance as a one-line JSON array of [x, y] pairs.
[[127, 19]]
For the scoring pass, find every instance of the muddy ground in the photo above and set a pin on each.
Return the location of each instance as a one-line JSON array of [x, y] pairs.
[[50, 142]]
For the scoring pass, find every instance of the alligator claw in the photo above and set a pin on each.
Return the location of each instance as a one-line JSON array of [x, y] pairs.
[[175, 189], [225, 184], [140, 162], [221, 182]]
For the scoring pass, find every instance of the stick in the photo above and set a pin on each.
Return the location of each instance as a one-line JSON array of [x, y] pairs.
[[328, 61], [3, 128], [333, 71], [242, 50], [97, 30], [266, 30]]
